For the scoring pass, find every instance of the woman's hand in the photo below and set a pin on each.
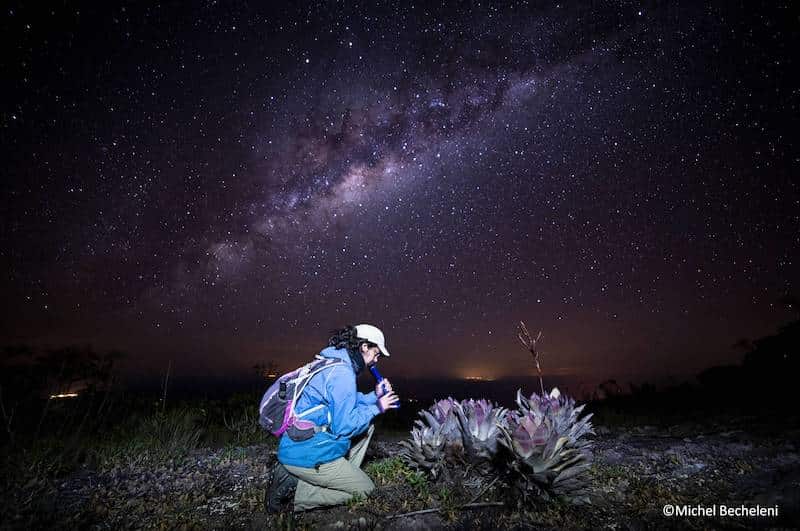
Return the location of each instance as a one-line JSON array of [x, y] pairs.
[[383, 387], [388, 401]]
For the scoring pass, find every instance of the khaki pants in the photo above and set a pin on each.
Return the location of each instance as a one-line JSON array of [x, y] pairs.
[[335, 482]]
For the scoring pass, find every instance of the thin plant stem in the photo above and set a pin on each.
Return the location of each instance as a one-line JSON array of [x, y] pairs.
[[437, 509], [530, 344], [166, 380]]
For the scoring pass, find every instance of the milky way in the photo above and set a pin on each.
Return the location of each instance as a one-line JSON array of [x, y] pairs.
[[221, 185]]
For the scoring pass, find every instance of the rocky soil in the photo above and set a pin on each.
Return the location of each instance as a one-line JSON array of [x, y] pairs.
[[637, 472]]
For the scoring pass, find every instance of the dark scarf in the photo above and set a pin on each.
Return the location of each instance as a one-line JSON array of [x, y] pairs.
[[358, 361]]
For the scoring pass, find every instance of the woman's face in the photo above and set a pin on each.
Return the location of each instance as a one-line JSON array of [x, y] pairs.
[[370, 354]]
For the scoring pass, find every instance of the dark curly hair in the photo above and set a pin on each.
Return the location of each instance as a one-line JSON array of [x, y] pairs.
[[346, 338]]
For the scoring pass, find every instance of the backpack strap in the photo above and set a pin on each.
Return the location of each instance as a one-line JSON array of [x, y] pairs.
[[298, 390], [324, 427], [309, 411]]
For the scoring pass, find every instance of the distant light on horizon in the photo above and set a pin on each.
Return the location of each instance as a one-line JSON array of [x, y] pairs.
[[64, 395]]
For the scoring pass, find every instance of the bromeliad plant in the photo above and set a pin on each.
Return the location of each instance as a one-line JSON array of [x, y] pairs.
[[480, 422], [541, 449], [547, 441], [435, 439]]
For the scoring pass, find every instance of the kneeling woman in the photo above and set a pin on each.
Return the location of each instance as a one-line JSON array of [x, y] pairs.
[[325, 470]]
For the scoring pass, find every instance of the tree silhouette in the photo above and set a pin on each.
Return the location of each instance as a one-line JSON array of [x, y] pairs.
[[29, 378], [770, 363]]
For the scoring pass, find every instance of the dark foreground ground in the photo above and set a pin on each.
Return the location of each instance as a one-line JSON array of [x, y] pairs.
[[637, 472]]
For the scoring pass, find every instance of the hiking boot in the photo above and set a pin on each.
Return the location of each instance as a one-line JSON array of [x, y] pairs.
[[280, 492]]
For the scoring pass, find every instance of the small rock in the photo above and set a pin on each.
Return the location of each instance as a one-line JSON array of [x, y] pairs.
[[612, 457], [693, 468]]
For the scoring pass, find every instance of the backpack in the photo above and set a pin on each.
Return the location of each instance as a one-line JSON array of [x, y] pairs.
[[276, 412]]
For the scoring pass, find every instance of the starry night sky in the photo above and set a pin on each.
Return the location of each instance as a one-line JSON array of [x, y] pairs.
[[222, 183]]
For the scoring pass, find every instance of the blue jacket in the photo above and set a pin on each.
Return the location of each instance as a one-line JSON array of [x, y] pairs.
[[350, 414]]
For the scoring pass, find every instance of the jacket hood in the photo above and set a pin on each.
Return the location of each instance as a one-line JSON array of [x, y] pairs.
[[340, 353], [333, 352]]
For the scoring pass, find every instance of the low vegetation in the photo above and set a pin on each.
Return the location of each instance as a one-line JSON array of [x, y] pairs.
[[540, 450]]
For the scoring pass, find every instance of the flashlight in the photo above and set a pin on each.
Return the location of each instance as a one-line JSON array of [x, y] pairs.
[[378, 378]]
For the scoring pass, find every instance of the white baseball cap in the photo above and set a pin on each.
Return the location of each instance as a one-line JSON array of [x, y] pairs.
[[372, 334]]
